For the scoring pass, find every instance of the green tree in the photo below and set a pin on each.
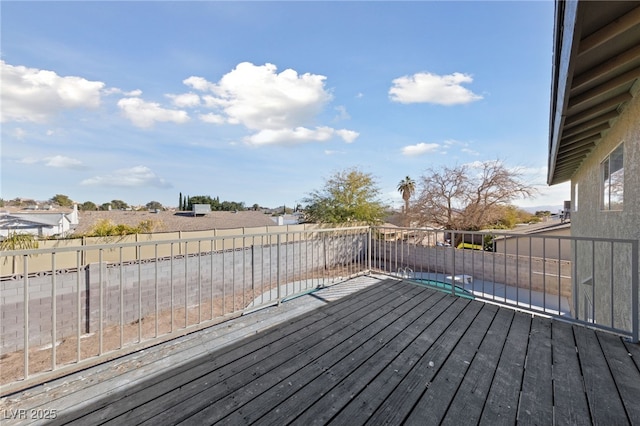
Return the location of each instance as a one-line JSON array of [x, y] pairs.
[[154, 205], [118, 205], [106, 228], [61, 200], [88, 206], [348, 196], [407, 187], [19, 241], [180, 202]]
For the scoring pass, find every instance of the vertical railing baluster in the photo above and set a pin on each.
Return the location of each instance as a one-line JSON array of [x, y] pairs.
[[199, 281], [139, 255], [278, 270], [121, 289], [593, 281], [156, 287], [186, 284], [101, 303], [54, 311], [78, 301], [211, 300], [635, 277], [25, 307], [171, 289], [611, 303]]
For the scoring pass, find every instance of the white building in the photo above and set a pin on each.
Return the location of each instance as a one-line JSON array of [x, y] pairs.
[[40, 224]]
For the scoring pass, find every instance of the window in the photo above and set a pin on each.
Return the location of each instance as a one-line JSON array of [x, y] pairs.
[[613, 180], [575, 197]]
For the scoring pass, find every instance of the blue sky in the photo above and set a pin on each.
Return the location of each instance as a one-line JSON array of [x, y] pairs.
[[260, 102]]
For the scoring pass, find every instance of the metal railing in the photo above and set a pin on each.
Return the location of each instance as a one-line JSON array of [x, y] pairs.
[[591, 281], [96, 302], [93, 303]]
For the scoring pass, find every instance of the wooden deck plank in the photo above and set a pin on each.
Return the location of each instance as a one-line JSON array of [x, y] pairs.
[[536, 398], [469, 400], [281, 405], [334, 400], [602, 395], [157, 395], [625, 374], [340, 341], [501, 406], [394, 353], [435, 342], [434, 402], [570, 400], [399, 404]]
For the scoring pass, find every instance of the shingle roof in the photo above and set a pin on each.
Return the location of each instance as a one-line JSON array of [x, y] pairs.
[[168, 221]]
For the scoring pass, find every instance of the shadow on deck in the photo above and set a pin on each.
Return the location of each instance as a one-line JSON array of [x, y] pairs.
[[392, 353]]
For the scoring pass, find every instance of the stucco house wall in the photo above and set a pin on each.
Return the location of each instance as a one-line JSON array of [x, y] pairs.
[[588, 219]]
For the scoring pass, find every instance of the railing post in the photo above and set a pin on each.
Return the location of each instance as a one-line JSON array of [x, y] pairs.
[[278, 269], [453, 273], [369, 251], [634, 292], [25, 293]]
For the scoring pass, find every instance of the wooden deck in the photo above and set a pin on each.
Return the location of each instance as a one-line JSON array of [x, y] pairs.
[[394, 353]]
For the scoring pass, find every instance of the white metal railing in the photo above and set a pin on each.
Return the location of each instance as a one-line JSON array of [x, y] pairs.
[[90, 303], [100, 301], [591, 281]]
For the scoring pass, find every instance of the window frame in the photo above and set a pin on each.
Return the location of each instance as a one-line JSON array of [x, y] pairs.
[[609, 200]]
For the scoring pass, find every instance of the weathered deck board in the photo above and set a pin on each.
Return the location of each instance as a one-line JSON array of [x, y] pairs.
[[501, 406], [394, 353], [236, 378], [571, 407], [536, 400], [434, 402], [626, 378], [472, 393], [604, 402]]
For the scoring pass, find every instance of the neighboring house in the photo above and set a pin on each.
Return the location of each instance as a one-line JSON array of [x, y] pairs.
[[595, 141], [39, 224], [534, 241]]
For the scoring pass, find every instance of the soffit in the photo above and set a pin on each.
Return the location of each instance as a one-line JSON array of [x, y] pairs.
[[595, 69]]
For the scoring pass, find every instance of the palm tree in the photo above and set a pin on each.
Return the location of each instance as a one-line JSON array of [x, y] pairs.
[[407, 187]]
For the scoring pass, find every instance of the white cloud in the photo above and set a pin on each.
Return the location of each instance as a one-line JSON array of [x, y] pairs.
[[199, 83], [464, 146], [433, 88], [57, 161], [19, 133], [139, 176], [347, 135], [280, 108], [342, 113], [185, 100], [290, 136], [299, 135], [62, 162], [30, 94], [28, 160], [419, 149], [212, 118], [116, 91], [146, 114]]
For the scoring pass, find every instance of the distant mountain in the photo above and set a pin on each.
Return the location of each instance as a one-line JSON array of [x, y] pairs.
[[552, 209]]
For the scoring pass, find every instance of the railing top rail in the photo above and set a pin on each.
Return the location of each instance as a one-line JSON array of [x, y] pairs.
[[501, 233], [113, 245]]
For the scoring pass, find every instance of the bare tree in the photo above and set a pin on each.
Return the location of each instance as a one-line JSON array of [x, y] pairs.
[[468, 197]]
